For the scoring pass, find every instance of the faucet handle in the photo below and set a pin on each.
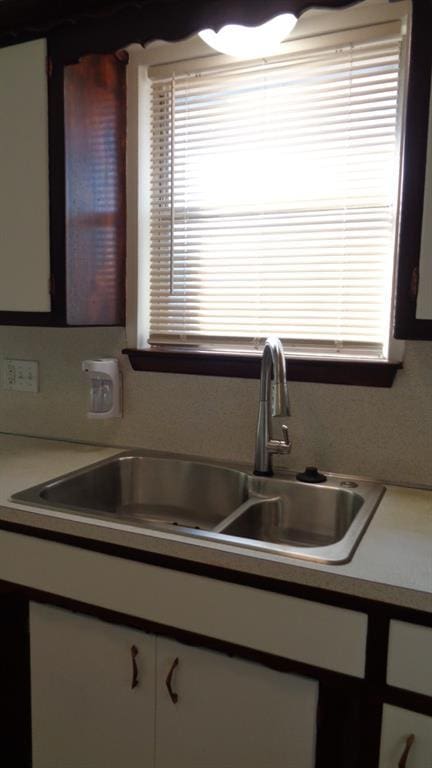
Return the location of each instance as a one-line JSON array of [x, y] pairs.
[[280, 446]]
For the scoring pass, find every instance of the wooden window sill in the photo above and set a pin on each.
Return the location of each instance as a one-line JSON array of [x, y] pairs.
[[247, 366]]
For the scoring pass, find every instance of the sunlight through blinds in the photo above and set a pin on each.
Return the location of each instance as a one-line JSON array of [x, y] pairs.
[[274, 198]]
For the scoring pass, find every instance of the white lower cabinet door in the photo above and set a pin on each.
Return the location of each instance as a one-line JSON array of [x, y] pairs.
[[214, 711], [93, 692], [406, 739]]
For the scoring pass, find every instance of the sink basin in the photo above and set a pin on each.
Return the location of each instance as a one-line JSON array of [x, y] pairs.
[[299, 514], [279, 515], [143, 490]]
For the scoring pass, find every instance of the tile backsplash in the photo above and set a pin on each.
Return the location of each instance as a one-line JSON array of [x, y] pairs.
[[382, 433]]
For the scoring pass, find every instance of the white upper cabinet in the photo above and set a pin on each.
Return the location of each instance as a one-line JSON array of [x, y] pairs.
[[424, 296], [24, 203]]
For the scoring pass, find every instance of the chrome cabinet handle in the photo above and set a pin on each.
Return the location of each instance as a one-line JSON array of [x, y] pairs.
[[404, 756], [168, 682], [134, 654]]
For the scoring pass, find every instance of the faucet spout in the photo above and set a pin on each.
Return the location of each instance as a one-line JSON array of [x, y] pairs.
[[274, 401], [275, 392]]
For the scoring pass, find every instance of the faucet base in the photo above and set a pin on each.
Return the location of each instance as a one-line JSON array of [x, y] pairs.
[[268, 473]]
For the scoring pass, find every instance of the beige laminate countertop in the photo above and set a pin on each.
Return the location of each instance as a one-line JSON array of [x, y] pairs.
[[393, 562]]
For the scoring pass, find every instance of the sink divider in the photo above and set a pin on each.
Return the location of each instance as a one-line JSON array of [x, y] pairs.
[[251, 502]]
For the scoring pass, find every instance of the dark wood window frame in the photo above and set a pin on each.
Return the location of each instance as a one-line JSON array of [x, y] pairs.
[[406, 325]]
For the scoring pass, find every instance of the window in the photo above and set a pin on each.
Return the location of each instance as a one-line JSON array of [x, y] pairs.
[[274, 197]]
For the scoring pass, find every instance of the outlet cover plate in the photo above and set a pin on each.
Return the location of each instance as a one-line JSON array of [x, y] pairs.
[[21, 375]]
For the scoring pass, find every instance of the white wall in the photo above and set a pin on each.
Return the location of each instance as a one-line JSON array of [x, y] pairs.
[[383, 433]]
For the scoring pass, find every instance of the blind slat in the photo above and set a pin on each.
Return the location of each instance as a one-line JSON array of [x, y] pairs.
[[272, 200]]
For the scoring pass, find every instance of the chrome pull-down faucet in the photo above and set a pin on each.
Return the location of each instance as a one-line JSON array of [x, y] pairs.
[[273, 402]]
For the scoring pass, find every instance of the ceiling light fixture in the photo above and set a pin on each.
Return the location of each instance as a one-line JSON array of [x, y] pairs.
[[249, 42]]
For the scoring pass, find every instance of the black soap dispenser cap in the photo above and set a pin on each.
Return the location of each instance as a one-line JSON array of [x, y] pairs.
[[311, 475]]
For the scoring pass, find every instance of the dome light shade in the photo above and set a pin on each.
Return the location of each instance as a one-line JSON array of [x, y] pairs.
[[243, 42]]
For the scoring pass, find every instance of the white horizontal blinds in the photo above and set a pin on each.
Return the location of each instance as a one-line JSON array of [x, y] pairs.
[[272, 200]]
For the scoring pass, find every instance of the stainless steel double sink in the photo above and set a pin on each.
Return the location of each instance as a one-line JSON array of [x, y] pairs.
[[278, 515]]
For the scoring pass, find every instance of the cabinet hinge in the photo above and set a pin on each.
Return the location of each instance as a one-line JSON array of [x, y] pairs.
[[414, 284], [49, 66]]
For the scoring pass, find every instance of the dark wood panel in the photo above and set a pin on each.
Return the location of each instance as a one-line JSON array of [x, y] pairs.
[[377, 647], [15, 681], [26, 318], [95, 139], [114, 21], [347, 725], [415, 702], [57, 204]]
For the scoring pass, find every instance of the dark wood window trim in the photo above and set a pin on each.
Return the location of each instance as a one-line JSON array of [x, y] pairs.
[[247, 366], [407, 326]]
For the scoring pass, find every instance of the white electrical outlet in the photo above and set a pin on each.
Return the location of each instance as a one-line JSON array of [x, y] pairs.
[[21, 375]]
